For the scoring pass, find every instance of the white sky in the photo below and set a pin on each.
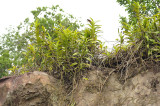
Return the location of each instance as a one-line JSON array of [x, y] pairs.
[[12, 12]]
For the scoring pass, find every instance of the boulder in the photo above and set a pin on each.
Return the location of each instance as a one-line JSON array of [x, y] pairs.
[[31, 89]]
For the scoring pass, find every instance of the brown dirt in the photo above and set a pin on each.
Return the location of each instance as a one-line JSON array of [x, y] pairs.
[[104, 87], [142, 89]]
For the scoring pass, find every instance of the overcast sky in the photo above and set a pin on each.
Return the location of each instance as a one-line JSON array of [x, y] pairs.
[[12, 12]]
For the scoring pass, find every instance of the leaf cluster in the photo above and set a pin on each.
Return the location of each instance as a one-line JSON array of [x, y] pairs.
[[5, 62], [17, 39], [145, 33], [146, 7], [139, 43], [66, 54]]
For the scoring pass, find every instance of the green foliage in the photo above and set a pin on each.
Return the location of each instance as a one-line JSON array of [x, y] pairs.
[[146, 30], [144, 7], [18, 70], [141, 31], [70, 53], [5, 62], [17, 39], [50, 17], [148, 7], [139, 39]]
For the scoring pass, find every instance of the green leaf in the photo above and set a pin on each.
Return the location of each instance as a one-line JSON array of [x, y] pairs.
[[75, 54], [73, 64], [89, 59], [85, 78]]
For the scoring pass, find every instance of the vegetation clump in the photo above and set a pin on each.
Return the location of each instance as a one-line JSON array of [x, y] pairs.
[[139, 43], [54, 43]]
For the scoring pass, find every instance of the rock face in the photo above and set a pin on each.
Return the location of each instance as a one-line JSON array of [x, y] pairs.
[[31, 89], [98, 90]]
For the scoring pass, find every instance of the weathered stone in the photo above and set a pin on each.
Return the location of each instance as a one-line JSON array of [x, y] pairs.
[[31, 89]]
